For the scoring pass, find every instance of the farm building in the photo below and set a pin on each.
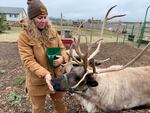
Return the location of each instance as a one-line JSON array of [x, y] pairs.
[[13, 14]]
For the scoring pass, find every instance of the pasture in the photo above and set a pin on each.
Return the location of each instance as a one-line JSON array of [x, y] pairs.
[[12, 35]]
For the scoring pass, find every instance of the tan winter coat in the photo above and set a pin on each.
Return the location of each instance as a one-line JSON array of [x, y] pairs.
[[34, 58]]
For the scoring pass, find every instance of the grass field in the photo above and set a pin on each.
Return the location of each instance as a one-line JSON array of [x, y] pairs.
[[11, 35], [91, 34], [94, 33]]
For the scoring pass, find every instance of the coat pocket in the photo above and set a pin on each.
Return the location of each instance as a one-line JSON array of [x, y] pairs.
[[35, 80]]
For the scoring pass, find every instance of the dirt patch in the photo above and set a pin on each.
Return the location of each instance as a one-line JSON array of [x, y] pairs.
[[13, 98]]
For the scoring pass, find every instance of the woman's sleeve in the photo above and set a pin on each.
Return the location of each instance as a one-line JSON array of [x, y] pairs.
[[27, 57]]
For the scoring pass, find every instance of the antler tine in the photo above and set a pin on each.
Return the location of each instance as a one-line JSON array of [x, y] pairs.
[[110, 10], [75, 86], [97, 41], [108, 18], [95, 52], [77, 45], [92, 45], [82, 56], [101, 61], [93, 65], [77, 48], [72, 56], [80, 28], [129, 63], [116, 16]]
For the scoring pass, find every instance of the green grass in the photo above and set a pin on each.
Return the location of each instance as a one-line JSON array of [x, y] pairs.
[[12, 30], [16, 29], [14, 98], [19, 81]]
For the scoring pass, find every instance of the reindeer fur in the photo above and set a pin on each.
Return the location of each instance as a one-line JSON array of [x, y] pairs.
[[118, 90]]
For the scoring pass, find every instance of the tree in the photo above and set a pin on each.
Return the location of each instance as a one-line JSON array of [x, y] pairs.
[[3, 23]]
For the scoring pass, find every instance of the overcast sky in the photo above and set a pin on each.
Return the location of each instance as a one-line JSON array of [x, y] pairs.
[[84, 9]]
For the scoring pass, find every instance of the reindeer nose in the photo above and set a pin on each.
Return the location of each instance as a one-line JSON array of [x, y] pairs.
[[56, 84]]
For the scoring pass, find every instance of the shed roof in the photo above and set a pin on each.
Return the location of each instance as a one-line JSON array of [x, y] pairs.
[[11, 10]]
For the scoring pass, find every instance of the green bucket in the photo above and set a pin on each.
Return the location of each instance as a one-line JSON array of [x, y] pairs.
[[52, 55]]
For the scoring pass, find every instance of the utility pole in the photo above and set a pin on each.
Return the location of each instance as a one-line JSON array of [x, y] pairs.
[[61, 23], [91, 29]]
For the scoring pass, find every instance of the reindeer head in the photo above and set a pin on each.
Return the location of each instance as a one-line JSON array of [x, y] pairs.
[[77, 69], [73, 76]]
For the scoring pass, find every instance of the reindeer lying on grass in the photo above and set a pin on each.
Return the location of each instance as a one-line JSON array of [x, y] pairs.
[[112, 89]]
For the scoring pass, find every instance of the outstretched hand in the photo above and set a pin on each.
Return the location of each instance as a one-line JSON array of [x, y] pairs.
[[48, 78]]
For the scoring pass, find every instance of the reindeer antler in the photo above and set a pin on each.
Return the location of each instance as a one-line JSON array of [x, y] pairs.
[[109, 18], [85, 57], [126, 65]]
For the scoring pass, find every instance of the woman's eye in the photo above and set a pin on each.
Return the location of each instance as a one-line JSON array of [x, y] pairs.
[[39, 17]]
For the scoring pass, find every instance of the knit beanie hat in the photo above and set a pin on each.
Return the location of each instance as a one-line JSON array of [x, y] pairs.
[[36, 8]]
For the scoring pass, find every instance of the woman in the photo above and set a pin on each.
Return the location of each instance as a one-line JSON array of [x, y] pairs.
[[33, 42]]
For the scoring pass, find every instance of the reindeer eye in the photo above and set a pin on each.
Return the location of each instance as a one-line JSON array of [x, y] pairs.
[[77, 78], [76, 65]]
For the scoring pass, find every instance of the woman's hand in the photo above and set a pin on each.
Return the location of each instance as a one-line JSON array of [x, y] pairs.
[[48, 79], [58, 61]]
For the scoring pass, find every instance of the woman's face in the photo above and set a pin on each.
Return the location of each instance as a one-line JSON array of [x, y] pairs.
[[41, 21]]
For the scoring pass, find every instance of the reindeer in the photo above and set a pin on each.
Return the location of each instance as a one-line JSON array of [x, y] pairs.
[[118, 87], [108, 89], [111, 90]]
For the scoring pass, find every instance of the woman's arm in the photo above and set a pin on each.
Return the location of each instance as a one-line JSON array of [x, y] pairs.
[[27, 57]]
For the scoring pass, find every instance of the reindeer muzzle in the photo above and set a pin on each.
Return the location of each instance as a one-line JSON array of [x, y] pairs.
[[62, 84]]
